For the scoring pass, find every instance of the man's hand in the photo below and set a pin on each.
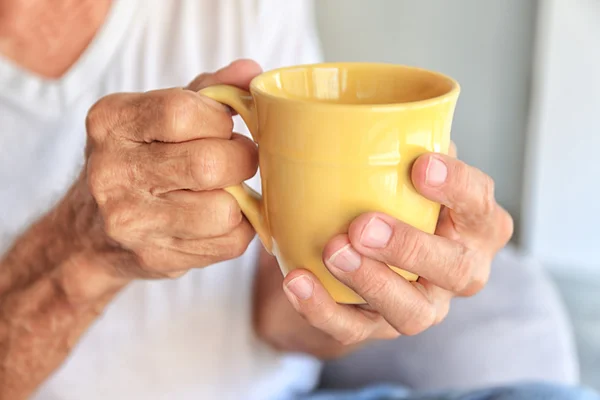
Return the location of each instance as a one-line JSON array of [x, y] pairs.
[[156, 164], [149, 204], [455, 261]]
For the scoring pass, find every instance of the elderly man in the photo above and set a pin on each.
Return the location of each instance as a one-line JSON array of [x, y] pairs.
[[94, 227]]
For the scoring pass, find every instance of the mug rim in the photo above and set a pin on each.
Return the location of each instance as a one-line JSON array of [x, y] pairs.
[[449, 95]]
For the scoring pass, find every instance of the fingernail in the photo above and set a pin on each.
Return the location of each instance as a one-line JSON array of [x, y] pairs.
[[345, 259], [436, 172], [376, 234], [302, 287]]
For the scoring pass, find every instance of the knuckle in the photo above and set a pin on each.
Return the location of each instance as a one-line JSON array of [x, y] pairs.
[[506, 226], [174, 274], [96, 181], [442, 312], [98, 116], [354, 336], [182, 111], [373, 287], [206, 166], [124, 222], [158, 262], [235, 247], [462, 274], [424, 317], [101, 179], [117, 223], [465, 189], [408, 248], [320, 316], [479, 279], [146, 259], [474, 287], [239, 248], [488, 198]]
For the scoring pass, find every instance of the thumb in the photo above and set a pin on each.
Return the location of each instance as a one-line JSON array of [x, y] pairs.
[[239, 73]]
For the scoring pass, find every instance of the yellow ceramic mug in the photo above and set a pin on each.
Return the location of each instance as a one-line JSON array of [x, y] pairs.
[[335, 141]]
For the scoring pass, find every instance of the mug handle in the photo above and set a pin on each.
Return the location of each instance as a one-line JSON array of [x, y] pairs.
[[250, 201]]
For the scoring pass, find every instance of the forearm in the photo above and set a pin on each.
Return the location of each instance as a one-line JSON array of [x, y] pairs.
[[277, 323], [53, 285]]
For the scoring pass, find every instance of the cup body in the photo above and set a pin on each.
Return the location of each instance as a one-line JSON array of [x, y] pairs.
[[338, 140]]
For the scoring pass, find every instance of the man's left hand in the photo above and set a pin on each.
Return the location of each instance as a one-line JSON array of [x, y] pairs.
[[455, 261]]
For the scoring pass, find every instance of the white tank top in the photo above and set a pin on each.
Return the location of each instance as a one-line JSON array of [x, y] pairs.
[[185, 339]]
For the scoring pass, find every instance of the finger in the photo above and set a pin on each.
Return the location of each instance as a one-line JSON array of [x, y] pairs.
[[168, 115], [226, 247], [408, 306], [196, 215], [347, 324], [204, 164], [446, 263], [239, 73], [171, 257], [185, 215], [467, 191]]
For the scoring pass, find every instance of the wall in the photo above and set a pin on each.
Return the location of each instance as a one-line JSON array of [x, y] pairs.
[[485, 45], [562, 224]]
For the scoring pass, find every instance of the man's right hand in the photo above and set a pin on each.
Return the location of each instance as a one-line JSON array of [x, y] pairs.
[[156, 166]]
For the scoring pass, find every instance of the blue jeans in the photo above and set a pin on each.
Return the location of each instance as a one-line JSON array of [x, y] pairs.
[[517, 392]]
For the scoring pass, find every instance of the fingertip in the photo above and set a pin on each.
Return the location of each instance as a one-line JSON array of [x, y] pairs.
[[299, 285], [293, 274], [246, 64], [239, 73], [247, 143], [431, 174], [306, 293], [245, 152], [358, 225], [334, 245], [356, 230], [419, 171]]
